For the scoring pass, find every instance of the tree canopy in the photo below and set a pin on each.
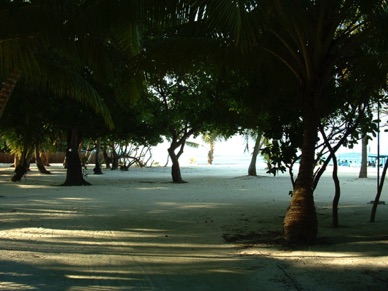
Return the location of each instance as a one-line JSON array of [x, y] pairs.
[[297, 65]]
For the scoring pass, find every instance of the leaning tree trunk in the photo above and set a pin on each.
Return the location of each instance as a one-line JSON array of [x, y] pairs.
[[300, 222], [379, 190], [44, 157], [210, 154], [16, 159], [39, 161], [23, 165], [364, 158], [74, 175], [175, 168], [255, 153]]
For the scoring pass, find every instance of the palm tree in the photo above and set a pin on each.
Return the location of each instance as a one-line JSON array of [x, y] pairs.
[[32, 34], [26, 128], [317, 51], [50, 44], [260, 140], [320, 42], [210, 138], [37, 43]]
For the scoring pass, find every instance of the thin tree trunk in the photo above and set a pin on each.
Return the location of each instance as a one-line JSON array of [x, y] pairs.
[[39, 161], [97, 169], [300, 222], [379, 190], [23, 165], [337, 186], [256, 149], [44, 157], [16, 159], [74, 175], [114, 159], [168, 159], [337, 193], [210, 154], [107, 159], [364, 158]]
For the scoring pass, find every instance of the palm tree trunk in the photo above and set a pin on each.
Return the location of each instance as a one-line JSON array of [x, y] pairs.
[[255, 153], [23, 165], [16, 159], [97, 169], [210, 154], [364, 158], [39, 161], [300, 222], [74, 176], [114, 158], [107, 159]]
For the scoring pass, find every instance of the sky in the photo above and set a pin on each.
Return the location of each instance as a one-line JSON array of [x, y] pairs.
[[232, 151], [229, 151]]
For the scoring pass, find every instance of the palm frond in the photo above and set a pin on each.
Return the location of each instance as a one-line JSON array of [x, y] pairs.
[[65, 83], [192, 144]]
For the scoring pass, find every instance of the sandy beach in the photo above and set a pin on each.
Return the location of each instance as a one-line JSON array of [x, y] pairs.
[[222, 230]]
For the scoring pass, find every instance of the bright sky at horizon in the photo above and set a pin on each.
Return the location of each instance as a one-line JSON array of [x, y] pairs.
[[233, 150]]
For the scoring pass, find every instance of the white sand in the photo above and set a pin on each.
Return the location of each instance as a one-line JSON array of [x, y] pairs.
[[137, 231]]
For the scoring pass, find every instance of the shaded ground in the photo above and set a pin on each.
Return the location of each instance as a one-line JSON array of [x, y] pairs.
[[221, 231]]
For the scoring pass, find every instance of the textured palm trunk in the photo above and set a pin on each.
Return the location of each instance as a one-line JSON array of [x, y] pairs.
[[364, 159], [300, 222], [74, 175], [23, 164], [114, 159], [255, 153], [210, 154], [97, 169], [39, 161]]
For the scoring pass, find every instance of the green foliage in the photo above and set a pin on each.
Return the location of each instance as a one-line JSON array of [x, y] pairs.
[[255, 65], [45, 41], [195, 102], [26, 123], [4, 148]]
